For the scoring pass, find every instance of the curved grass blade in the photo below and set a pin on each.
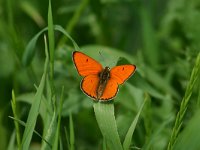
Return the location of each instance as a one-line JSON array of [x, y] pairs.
[[30, 49], [128, 138], [24, 124], [34, 111], [61, 29], [104, 113]]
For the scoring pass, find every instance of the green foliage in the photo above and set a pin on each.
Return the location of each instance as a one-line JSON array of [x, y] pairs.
[[40, 88], [184, 104], [104, 113]]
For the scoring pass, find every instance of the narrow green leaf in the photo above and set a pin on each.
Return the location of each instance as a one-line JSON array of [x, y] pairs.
[[32, 116], [73, 21], [51, 118], [51, 44], [61, 29], [24, 124], [56, 140], [71, 130], [51, 33], [14, 108], [67, 139], [128, 138], [30, 49], [31, 11], [50, 133], [104, 113], [184, 104], [11, 144], [190, 137]]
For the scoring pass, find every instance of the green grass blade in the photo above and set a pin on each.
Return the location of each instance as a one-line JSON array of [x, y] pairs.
[[30, 49], [51, 119], [71, 130], [104, 113], [61, 29], [32, 116], [51, 44], [56, 140], [11, 144], [31, 11], [70, 26], [179, 118], [24, 124], [14, 108], [128, 138], [190, 137], [67, 139], [50, 133]]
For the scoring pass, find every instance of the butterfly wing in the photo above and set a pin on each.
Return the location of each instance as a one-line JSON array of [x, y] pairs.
[[86, 65], [89, 85], [121, 73], [110, 91]]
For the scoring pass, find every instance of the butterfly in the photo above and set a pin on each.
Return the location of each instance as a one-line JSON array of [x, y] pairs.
[[100, 83]]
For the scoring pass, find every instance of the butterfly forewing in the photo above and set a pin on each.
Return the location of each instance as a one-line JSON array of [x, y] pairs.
[[122, 73], [85, 64]]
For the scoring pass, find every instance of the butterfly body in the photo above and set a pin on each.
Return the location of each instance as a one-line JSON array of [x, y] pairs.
[[100, 83], [103, 79]]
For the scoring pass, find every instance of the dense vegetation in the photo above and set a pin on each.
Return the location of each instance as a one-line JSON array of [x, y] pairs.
[[41, 104]]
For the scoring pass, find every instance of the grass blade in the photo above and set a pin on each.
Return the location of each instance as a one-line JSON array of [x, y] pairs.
[[128, 138], [186, 139], [104, 113], [70, 26], [11, 144], [61, 29], [51, 118], [71, 130], [56, 140], [32, 116], [24, 124], [51, 45], [14, 108], [179, 118], [30, 49]]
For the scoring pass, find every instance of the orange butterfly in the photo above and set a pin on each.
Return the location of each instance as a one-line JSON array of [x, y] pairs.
[[100, 83]]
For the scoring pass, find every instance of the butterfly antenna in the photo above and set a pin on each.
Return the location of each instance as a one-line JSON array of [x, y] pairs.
[[111, 63], [103, 58]]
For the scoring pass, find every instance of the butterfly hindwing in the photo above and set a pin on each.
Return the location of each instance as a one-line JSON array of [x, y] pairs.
[[122, 73], [89, 85], [86, 65], [110, 91]]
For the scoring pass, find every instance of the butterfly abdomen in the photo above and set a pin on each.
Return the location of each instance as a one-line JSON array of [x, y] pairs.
[[103, 78]]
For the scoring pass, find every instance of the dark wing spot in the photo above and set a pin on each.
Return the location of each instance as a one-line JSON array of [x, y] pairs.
[[86, 60], [123, 68]]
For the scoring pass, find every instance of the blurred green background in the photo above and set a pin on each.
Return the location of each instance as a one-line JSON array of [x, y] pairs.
[[162, 38]]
